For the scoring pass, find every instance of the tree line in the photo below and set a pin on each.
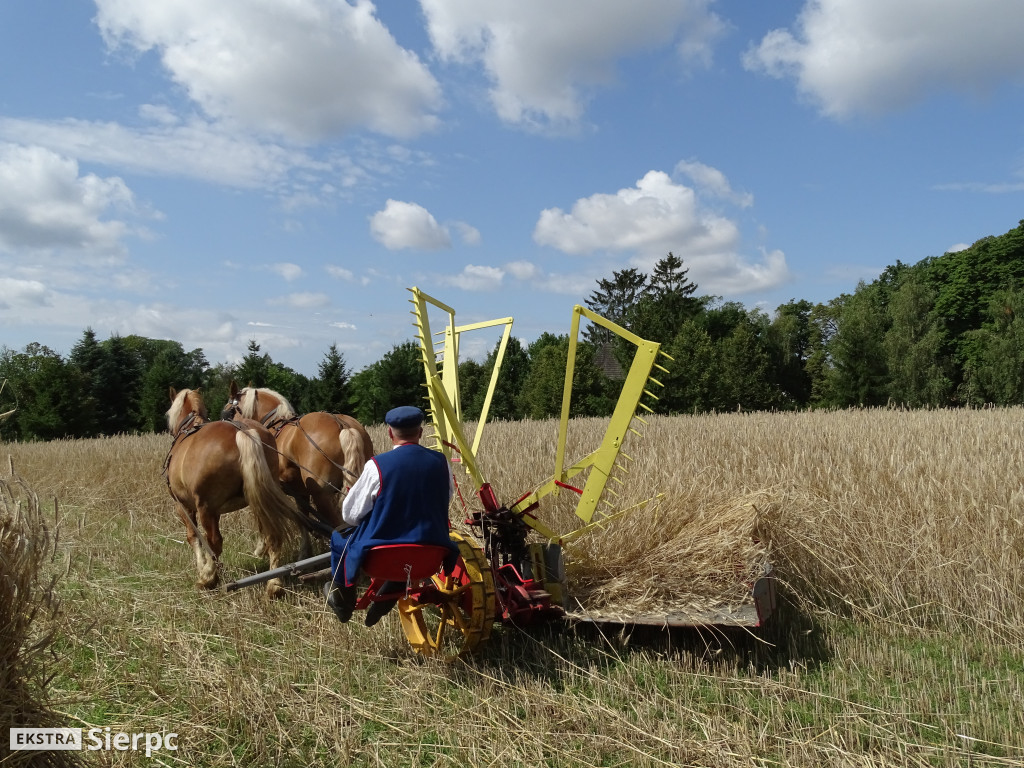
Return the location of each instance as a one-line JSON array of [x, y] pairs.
[[947, 331]]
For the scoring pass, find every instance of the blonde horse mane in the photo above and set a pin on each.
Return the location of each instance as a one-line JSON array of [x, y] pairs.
[[175, 414], [247, 403]]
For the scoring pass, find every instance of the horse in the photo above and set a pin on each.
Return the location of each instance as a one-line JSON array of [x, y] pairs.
[[216, 467], [321, 454]]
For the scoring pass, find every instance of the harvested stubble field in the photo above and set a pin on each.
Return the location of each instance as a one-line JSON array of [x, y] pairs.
[[897, 537]]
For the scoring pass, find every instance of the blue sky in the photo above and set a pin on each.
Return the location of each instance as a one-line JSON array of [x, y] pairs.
[[282, 171]]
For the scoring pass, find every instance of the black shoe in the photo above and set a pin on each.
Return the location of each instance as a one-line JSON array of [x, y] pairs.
[[341, 600], [378, 610]]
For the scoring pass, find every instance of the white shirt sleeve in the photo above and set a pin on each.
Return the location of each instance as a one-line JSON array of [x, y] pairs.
[[360, 497]]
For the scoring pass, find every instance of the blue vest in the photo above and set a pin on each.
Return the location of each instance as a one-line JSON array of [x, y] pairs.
[[411, 508]]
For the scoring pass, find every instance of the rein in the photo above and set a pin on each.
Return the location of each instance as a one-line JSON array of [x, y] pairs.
[[341, 426], [184, 429]]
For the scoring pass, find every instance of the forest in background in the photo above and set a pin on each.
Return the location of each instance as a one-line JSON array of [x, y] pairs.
[[947, 331]]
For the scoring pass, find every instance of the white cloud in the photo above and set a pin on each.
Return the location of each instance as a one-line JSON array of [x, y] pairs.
[[958, 247], [470, 235], [873, 56], [522, 270], [46, 204], [215, 154], [287, 270], [477, 278], [655, 217], [158, 113], [22, 293], [567, 283], [194, 149], [339, 272], [543, 58], [729, 274], [306, 300], [306, 70], [343, 326], [712, 181], [408, 225]]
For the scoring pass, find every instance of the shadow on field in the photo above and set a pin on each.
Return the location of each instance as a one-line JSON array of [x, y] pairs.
[[790, 640]]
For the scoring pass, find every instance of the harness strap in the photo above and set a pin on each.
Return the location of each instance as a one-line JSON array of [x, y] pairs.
[[342, 426]]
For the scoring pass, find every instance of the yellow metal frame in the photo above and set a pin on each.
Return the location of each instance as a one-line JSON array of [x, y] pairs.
[[446, 412], [443, 392]]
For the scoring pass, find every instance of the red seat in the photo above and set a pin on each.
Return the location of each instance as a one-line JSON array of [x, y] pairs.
[[404, 562]]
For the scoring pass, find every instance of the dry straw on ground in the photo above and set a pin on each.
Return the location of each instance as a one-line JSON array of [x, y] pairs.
[[899, 536], [28, 609]]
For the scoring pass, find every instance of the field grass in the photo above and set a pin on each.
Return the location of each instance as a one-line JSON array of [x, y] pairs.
[[897, 538]]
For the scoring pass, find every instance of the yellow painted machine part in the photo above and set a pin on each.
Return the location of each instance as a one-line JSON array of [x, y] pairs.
[[445, 411], [604, 460], [464, 617], [446, 422]]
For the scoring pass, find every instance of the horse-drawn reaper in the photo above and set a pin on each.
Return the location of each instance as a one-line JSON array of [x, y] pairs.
[[510, 565]]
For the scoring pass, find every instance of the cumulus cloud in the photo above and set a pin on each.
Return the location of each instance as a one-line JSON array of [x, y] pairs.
[[477, 278], [46, 204], [408, 225], [470, 235], [730, 274], [306, 70], [543, 58], [713, 182], [656, 216], [23, 293], [872, 56], [522, 270]]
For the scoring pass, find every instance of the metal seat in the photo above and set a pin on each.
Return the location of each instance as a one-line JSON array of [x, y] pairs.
[[404, 562]]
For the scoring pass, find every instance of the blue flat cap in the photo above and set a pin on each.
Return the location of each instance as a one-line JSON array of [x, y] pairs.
[[404, 417]]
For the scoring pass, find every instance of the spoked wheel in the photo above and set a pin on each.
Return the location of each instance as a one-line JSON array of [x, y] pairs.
[[460, 615]]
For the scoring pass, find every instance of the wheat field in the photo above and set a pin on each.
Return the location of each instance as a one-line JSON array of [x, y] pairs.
[[897, 538]]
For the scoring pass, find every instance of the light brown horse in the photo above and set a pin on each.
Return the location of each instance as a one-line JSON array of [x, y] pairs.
[[321, 454], [216, 467]]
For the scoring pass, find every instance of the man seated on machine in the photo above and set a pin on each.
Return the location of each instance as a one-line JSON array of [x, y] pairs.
[[401, 497]]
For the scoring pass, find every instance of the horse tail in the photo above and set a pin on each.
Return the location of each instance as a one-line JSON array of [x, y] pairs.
[[353, 449], [270, 506]]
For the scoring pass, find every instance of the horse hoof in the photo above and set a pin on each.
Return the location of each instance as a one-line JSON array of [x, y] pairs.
[[275, 591]]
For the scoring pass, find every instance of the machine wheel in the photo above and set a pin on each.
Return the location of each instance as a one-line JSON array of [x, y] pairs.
[[462, 616]]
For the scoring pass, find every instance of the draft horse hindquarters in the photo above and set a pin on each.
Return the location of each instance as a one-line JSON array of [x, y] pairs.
[[321, 453], [217, 467]]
